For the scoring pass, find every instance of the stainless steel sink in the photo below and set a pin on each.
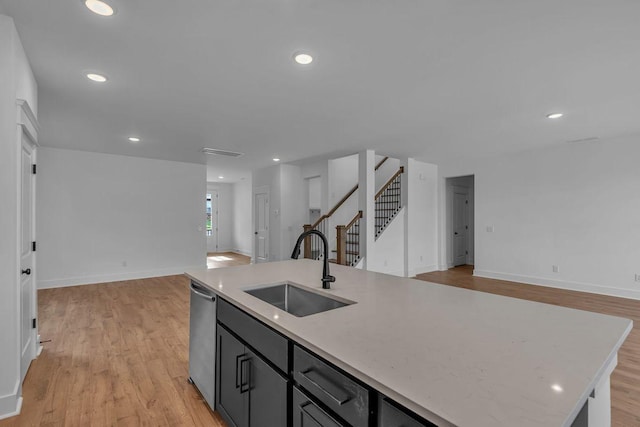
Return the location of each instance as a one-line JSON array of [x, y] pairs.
[[295, 300]]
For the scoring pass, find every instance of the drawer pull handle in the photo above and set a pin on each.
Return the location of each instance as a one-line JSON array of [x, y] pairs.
[[239, 383], [245, 385], [336, 394], [197, 291]]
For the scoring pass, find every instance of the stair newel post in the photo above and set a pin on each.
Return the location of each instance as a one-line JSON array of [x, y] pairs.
[[341, 234], [307, 241]]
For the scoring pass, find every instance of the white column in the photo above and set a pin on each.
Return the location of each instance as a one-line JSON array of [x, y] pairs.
[[366, 193], [404, 179]]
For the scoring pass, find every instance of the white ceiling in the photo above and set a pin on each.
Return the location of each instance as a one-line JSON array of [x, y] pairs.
[[431, 79]]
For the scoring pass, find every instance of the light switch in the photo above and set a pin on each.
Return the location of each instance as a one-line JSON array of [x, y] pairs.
[[489, 228]]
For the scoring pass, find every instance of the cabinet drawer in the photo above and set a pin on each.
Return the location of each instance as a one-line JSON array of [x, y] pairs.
[[391, 414], [341, 394], [308, 414], [266, 341]]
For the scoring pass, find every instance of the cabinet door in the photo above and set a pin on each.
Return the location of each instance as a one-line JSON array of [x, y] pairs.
[[232, 404], [267, 391]]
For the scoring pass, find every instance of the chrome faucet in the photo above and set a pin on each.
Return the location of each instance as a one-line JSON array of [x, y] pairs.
[[326, 277]]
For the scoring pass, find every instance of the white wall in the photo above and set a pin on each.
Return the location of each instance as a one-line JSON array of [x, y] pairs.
[[422, 217], [315, 192], [386, 171], [242, 227], [225, 217], [293, 212], [319, 169], [104, 217], [388, 250], [287, 207], [16, 82], [576, 206]]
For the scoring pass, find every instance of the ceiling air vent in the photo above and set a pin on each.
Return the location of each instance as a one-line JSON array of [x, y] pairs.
[[581, 140], [216, 152]]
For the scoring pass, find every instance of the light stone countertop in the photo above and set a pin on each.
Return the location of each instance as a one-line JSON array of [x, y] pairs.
[[455, 356]]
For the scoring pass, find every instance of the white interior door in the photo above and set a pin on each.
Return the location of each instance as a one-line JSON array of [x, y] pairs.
[[28, 297], [212, 221], [261, 233], [460, 204]]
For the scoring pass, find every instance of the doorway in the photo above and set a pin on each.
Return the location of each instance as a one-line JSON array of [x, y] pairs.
[[28, 293], [212, 221], [261, 224], [460, 222]]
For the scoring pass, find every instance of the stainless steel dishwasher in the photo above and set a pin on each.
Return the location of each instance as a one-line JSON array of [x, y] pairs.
[[202, 342]]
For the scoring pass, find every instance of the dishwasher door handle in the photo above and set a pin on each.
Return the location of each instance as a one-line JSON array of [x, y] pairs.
[[201, 294]]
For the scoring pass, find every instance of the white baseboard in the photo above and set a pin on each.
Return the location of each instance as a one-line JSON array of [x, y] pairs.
[[241, 252], [424, 269], [561, 284], [11, 404], [116, 277]]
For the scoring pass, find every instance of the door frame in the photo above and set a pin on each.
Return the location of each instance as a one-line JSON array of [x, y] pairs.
[[263, 189], [214, 217], [456, 189], [28, 128], [446, 220]]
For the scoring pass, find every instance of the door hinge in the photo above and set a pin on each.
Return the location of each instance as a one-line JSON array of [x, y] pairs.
[[33, 246], [466, 252], [34, 323], [33, 169], [466, 227], [466, 202]]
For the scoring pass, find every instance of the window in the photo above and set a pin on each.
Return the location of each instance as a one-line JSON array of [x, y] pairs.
[[209, 224]]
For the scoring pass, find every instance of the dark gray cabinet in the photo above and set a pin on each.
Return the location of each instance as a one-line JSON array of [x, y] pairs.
[[265, 380], [250, 392], [343, 395], [232, 402]]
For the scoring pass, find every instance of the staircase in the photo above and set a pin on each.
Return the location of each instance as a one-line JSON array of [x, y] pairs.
[[388, 202]]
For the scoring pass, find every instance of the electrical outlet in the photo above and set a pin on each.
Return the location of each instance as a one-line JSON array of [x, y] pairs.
[[124, 263], [555, 268], [421, 261], [489, 228], [637, 277]]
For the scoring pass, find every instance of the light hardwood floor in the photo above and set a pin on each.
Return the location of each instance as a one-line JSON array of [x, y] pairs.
[[625, 381], [118, 356], [119, 353], [226, 259]]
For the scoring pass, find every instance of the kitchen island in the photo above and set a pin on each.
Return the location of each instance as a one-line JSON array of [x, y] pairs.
[[452, 356]]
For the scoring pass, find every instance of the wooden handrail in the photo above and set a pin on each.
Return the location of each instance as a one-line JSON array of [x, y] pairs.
[[381, 163], [344, 199], [353, 221], [384, 187]]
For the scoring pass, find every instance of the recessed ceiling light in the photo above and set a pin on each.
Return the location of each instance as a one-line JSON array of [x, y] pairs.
[[99, 78], [134, 139], [99, 7], [554, 115], [275, 159], [303, 58], [557, 388], [221, 177]]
